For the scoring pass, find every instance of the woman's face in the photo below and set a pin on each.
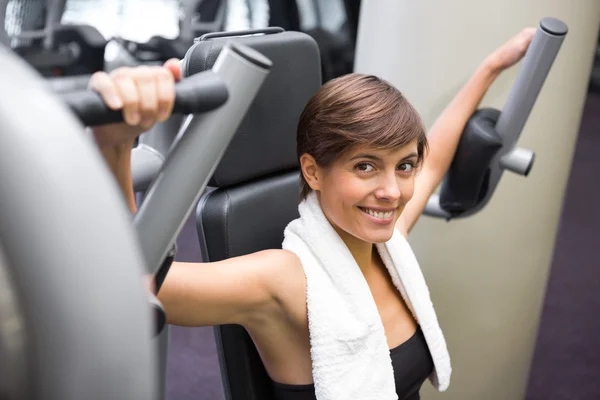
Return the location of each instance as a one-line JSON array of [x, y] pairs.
[[364, 192]]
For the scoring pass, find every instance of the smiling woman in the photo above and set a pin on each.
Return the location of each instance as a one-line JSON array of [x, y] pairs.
[[364, 192], [354, 111], [359, 142], [343, 269]]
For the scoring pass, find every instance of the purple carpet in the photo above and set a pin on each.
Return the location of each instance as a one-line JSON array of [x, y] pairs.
[[566, 362]]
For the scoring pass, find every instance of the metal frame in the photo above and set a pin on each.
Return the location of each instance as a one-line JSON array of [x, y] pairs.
[[535, 68]]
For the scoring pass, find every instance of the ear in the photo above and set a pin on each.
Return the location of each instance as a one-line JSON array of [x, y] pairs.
[[311, 171]]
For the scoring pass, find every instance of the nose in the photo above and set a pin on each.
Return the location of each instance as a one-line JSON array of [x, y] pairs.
[[389, 188]]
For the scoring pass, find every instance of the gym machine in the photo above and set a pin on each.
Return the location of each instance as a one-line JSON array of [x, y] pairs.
[[54, 49], [68, 328], [487, 147]]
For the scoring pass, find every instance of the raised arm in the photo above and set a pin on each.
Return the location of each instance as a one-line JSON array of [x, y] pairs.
[[444, 135], [146, 96], [240, 290]]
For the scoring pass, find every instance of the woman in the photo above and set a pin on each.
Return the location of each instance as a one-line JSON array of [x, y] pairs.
[[360, 144]]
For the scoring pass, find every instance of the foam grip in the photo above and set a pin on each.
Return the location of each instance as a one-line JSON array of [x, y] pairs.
[[468, 177], [199, 93]]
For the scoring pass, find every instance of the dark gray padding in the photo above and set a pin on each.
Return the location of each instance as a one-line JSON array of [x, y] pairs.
[[467, 179], [256, 187], [266, 140], [71, 252], [248, 218], [233, 222]]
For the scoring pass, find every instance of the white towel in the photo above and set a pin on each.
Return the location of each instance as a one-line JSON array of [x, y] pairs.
[[349, 351]]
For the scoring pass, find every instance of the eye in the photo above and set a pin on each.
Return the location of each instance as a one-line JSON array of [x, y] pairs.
[[364, 167], [406, 167]]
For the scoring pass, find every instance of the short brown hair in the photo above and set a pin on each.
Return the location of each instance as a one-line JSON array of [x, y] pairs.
[[356, 109]]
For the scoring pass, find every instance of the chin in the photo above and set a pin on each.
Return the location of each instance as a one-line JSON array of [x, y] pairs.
[[379, 237]]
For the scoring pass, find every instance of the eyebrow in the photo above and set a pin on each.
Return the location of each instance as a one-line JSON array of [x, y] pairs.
[[375, 158]]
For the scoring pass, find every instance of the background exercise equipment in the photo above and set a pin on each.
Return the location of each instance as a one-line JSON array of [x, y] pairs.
[[52, 48], [488, 144]]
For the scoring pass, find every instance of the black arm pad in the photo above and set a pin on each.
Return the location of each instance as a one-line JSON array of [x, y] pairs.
[[466, 181]]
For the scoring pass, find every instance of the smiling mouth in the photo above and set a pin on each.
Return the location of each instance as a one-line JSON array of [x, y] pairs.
[[381, 215]]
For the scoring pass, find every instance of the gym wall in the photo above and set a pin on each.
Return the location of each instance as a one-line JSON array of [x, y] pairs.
[[487, 274]]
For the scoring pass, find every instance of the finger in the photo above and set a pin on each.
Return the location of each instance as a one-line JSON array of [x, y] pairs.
[[148, 99], [166, 93], [529, 32], [123, 79], [526, 37], [101, 83], [174, 65]]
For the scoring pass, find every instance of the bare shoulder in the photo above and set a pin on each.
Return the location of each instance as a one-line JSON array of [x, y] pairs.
[[282, 265], [272, 262], [286, 276], [281, 258], [267, 268]]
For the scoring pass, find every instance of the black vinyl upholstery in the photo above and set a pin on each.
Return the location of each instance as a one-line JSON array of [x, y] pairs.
[[266, 140], [255, 190], [258, 211]]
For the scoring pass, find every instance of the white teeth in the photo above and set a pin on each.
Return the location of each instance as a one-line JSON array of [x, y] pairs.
[[379, 215]]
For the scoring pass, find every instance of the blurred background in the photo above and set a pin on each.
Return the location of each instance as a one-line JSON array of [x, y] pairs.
[[79, 37]]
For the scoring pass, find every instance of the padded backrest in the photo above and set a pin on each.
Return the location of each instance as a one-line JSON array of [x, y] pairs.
[[256, 185], [236, 221], [266, 139], [248, 218]]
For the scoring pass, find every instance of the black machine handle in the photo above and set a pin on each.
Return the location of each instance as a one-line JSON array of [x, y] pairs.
[[199, 93], [214, 35]]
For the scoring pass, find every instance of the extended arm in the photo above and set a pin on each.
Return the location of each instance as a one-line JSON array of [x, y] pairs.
[[234, 291], [445, 134]]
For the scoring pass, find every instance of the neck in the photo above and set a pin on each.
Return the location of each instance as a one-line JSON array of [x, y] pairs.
[[360, 250]]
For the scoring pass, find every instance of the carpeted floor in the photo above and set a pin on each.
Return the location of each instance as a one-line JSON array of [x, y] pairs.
[[566, 363]]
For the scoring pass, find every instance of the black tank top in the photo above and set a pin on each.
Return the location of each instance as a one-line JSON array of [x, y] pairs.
[[412, 365]]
